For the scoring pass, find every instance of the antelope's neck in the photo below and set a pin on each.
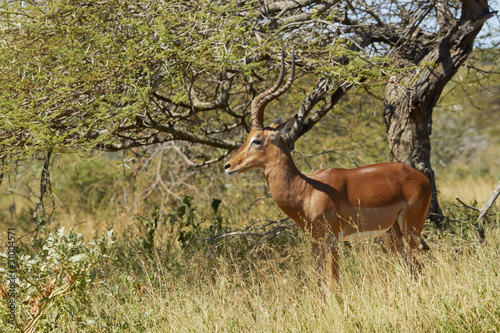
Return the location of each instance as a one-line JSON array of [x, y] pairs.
[[288, 185]]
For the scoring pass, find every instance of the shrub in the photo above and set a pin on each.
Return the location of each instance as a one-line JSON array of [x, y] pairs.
[[51, 280]]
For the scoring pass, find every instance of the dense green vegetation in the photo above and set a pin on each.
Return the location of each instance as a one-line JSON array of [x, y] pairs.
[[82, 75]]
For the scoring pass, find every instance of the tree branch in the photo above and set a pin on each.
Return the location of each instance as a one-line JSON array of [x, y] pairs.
[[482, 212], [317, 94], [186, 135], [474, 9], [304, 16], [316, 117], [443, 13]]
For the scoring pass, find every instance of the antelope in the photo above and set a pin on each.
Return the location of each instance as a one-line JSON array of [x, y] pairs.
[[335, 205]]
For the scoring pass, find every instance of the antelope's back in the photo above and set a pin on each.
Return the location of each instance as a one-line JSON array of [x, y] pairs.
[[376, 184]]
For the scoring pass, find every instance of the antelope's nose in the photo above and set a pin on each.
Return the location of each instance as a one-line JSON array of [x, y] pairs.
[[227, 166]]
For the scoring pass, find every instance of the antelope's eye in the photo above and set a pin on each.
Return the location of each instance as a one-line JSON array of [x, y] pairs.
[[256, 142]]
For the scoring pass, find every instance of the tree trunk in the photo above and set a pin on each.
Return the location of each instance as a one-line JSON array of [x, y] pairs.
[[410, 98]]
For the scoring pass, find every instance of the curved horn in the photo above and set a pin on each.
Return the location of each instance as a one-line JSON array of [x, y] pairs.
[[260, 102]]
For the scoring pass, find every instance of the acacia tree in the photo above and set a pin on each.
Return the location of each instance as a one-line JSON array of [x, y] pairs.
[[410, 98], [117, 74]]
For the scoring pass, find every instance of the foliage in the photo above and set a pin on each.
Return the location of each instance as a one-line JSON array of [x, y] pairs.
[[73, 73], [148, 227], [119, 74], [170, 235], [188, 230], [184, 228], [55, 273]]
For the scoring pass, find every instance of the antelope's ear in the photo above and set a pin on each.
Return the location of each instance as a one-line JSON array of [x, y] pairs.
[[285, 127], [276, 122]]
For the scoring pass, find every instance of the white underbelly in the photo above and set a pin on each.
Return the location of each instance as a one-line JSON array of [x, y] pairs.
[[360, 236]]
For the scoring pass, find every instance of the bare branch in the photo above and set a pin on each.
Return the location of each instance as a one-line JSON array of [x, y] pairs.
[[317, 94], [215, 160], [285, 5], [317, 10], [474, 9], [443, 13], [482, 212], [187, 135], [259, 235], [323, 110], [466, 205], [45, 185], [196, 105]]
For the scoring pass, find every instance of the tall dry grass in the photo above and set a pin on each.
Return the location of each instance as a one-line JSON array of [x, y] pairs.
[[230, 288], [469, 189], [277, 291]]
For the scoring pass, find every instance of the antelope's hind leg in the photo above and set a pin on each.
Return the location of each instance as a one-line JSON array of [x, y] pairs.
[[411, 225], [402, 240]]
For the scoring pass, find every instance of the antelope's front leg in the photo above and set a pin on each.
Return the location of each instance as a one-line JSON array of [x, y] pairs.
[[332, 259], [327, 257]]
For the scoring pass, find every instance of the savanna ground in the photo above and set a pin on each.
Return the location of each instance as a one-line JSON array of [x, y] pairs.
[[173, 265]]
